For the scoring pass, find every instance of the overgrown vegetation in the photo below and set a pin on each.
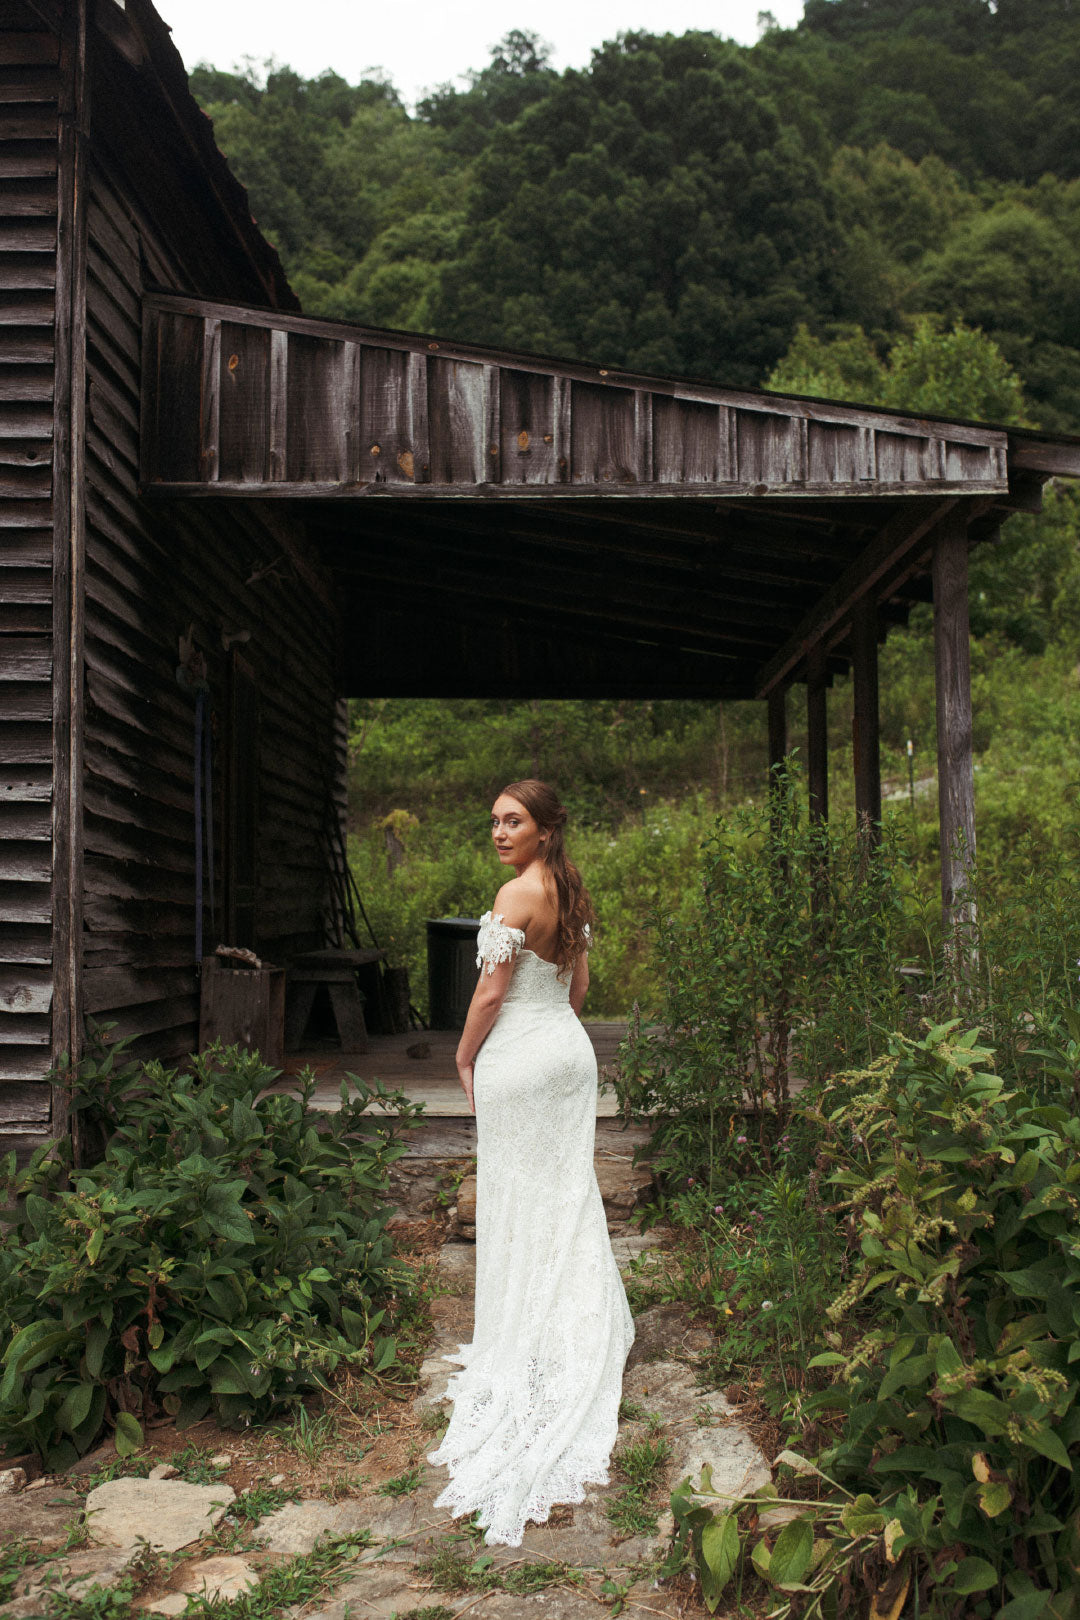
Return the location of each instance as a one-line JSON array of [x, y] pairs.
[[226, 1254], [891, 1251]]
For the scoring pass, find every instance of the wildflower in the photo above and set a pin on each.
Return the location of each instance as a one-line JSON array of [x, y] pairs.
[[766, 1304], [741, 1140], [718, 1209], [689, 1181]]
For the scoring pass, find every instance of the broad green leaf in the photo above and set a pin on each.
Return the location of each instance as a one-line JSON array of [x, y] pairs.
[[1028, 1606], [719, 1551], [994, 1497], [792, 1553], [354, 1326], [75, 1407], [383, 1351], [974, 1575], [761, 1558], [947, 1358], [1048, 1444], [129, 1435], [97, 1342]]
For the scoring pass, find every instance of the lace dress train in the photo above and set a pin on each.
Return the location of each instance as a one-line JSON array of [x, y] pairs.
[[536, 1405]]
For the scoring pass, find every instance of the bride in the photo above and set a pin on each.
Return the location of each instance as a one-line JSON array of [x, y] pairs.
[[536, 1405]]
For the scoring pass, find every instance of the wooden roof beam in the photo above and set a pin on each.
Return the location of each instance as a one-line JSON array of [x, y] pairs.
[[899, 542]]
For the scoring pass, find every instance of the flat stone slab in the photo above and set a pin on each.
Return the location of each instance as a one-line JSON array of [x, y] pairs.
[[171, 1603], [627, 1245], [74, 1573], [412, 1519], [380, 1593], [665, 1331], [738, 1466], [166, 1513], [435, 1374], [222, 1578], [40, 1516], [457, 1266], [294, 1530]]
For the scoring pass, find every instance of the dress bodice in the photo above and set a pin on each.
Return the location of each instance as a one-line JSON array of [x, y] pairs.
[[535, 982]]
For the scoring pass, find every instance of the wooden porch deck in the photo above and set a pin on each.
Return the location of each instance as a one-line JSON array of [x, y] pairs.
[[430, 1079]]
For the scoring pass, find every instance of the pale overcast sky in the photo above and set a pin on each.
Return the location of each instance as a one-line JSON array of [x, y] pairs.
[[431, 42]]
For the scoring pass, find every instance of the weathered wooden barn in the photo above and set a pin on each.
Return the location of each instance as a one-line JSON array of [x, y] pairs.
[[219, 519]]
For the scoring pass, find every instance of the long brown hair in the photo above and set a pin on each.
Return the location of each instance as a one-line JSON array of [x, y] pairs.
[[575, 907]]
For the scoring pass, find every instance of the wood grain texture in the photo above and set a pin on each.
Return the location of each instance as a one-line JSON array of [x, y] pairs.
[[952, 672], [866, 739], [153, 570], [30, 120]]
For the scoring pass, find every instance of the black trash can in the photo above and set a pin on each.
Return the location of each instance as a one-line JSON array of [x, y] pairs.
[[451, 965]]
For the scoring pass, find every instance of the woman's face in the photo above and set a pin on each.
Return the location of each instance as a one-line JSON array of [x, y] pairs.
[[517, 838]]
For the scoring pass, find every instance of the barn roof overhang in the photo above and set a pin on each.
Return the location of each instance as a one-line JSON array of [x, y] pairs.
[[501, 523]]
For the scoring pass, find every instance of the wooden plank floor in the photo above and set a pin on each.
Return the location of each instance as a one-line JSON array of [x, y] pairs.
[[431, 1079]]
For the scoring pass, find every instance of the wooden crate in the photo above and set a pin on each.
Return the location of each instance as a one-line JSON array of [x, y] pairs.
[[243, 1006]]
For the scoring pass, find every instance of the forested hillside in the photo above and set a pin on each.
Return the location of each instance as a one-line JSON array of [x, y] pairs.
[[685, 202], [881, 204]]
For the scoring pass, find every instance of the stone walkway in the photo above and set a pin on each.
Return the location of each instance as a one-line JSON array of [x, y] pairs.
[[409, 1544]]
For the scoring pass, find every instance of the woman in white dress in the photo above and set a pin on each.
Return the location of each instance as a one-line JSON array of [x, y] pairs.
[[536, 1406]]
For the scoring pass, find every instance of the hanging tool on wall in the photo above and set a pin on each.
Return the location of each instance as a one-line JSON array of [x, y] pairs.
[[191, 674]]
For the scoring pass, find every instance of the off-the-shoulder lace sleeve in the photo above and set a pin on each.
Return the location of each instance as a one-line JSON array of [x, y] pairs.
[[495, 942]]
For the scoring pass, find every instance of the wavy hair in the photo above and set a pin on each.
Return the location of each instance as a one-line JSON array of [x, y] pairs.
[[574, 906]]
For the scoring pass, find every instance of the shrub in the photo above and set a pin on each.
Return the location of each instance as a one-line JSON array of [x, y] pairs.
[[790, 964], [952, 1414], [227, 1252]]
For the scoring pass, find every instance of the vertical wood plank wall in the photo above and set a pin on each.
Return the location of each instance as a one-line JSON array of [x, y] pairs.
[[29, 89], [151, 572]]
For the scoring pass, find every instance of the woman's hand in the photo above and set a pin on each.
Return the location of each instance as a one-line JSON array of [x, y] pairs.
[[465, 1075]]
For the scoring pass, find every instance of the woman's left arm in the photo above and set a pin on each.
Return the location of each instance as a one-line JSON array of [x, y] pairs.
[[487, 998], [579, 982]]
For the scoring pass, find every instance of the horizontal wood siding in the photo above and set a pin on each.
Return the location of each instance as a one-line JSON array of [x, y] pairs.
[[29, 89], [153, 572]]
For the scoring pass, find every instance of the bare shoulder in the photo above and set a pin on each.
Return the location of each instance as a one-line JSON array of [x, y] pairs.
[[515, 902]]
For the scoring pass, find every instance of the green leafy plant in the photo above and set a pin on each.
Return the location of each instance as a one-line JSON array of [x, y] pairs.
[[226, 1254], [953, 1406]]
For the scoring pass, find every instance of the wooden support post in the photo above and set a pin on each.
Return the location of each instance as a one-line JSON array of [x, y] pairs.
[[865, 734], [817, 736], [817, 770], [952, 673]]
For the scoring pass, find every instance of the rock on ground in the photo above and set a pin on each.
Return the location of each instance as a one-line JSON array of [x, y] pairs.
[[666, 1331], [72, 1574], [39, 1516], [220, 1579], [293, 1530], [166, 1513], [738, 1467]]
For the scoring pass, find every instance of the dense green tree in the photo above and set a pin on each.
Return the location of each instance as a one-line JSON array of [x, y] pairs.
[[651, 212]]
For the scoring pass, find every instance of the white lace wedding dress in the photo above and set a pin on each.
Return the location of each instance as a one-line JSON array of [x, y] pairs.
[[536, 1406]]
